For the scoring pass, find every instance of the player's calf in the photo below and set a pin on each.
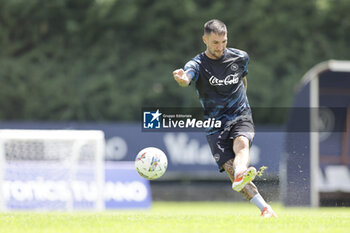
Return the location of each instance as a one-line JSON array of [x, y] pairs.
[[249, 191]]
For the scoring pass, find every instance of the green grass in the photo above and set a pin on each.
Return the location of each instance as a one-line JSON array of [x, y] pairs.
[[180, 217]]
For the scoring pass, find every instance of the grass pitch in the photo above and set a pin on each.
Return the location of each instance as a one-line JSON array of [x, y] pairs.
[[167, 217]]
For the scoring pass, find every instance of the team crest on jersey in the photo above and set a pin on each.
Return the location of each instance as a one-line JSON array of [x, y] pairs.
[[217, 157], [234, 67]]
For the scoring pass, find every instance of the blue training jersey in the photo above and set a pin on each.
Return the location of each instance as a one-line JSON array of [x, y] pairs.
[[220, 86]]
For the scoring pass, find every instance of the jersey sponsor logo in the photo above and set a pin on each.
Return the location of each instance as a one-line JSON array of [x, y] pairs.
[[229, 80]]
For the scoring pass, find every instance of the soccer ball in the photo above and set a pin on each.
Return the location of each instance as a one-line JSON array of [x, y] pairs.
[[151, 163]]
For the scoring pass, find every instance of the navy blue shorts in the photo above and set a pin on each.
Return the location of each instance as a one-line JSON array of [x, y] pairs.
[[221, 142]]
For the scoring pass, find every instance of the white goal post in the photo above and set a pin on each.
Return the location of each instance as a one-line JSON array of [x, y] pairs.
[[29, 159]]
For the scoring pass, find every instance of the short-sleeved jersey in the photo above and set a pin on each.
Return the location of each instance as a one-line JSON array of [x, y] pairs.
[[220, 86]]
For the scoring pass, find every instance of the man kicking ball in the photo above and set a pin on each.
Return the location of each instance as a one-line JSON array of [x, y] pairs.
[[219, 74]]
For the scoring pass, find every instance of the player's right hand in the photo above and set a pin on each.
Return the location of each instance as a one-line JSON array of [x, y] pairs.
[[181, 78]]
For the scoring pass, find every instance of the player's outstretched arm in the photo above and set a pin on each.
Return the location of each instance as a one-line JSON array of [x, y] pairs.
[[182, 78]]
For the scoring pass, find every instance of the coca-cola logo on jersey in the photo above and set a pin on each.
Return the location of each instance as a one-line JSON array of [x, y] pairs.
[[229, 80]]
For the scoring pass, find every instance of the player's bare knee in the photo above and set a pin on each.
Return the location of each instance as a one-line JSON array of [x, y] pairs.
[[240, 143]]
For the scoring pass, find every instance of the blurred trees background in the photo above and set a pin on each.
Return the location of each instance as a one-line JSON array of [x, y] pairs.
[[103, 60]]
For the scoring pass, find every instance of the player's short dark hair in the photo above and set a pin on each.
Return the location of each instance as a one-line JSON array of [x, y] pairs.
[[216, 26]]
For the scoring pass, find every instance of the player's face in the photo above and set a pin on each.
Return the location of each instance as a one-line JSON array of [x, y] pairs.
[[216, 45]]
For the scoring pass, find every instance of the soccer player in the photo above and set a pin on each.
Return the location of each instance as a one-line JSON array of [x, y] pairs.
[[219, 74]]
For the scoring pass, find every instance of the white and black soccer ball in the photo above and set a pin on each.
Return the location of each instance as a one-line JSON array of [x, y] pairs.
[[151, 163]]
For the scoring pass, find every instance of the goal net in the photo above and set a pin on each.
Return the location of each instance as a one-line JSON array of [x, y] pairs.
[[51, 169]]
